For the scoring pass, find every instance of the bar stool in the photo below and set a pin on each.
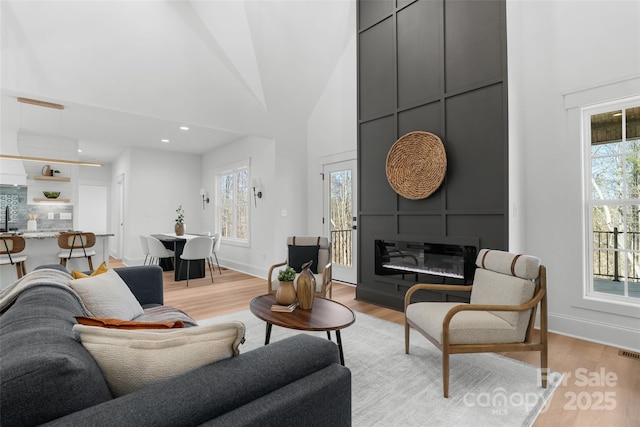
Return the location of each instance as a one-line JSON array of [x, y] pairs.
[[10, 245], [76, 244]]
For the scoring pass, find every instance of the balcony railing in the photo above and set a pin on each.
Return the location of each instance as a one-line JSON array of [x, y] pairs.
[[341, 244], [608, 253]]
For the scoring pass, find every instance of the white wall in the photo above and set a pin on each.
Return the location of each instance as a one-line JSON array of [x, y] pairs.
[[259, 256], [332, 130], [556, 48], [288, 167], [156, 183]]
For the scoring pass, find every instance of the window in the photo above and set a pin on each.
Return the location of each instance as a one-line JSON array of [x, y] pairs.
[[612, 151], [233, 204]]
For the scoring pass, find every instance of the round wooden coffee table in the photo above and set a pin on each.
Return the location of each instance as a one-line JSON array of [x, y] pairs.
[[326, 315]]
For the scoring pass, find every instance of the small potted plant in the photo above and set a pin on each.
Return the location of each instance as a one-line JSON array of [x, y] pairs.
[[287, 275], [179, 221], [286, 293]]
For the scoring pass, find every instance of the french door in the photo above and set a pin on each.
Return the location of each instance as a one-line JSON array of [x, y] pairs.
[[340, 201]]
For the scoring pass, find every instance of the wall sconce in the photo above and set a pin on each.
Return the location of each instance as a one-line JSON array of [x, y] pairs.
[[205, 196], [257, 194]]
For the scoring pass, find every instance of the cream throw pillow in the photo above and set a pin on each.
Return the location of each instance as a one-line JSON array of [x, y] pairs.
[[131, 359], [106, 295]]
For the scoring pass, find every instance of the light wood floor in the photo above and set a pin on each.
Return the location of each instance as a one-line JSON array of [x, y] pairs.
[[589, 395]]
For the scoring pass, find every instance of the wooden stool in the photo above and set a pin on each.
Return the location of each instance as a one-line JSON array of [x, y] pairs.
[[76, 244], [12, 245]]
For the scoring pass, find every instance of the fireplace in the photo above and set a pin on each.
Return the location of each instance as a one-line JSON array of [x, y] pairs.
[[427, 259]]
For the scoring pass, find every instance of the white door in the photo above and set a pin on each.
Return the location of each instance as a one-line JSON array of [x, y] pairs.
[[340, 201]]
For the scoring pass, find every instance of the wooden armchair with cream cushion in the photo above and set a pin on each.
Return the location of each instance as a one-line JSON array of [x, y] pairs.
[[302, 249], [499, 318]]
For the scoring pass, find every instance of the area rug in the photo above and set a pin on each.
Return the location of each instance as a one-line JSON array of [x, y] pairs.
[[391, 388]]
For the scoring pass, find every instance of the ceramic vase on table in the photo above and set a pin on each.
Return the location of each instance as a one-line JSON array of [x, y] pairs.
[[306, 287], [286, 293], [180, 229]]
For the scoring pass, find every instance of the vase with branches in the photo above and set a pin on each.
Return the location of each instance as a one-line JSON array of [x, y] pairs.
[[179, 227]]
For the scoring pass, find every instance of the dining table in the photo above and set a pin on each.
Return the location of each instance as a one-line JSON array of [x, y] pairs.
[[176, 244]]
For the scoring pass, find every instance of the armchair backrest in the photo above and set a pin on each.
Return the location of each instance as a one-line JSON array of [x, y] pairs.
[[324, 252], [507, 279]]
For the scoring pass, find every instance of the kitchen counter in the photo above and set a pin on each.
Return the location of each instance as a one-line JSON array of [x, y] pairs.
[[42, 248], [51, 234]]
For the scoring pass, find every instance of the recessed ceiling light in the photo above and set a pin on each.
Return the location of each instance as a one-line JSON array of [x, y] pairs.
[[164, 140], [184, 128], [79, 150]]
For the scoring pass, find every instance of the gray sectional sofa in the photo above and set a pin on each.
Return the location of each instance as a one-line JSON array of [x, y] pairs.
[[47, 376]]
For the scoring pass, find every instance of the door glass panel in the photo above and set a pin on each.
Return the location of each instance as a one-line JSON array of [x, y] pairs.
[[341, 217]]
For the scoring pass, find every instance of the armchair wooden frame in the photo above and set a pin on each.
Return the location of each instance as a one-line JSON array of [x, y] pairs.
[[529, 343], [326, 278]]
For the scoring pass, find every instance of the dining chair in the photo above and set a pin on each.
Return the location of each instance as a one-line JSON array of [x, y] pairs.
[[145, 248], [216, 249], [10, 246], [197, 248], [76, 244], [157, 250]]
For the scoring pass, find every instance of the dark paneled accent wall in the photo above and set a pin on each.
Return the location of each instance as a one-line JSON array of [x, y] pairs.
[[436, 66]]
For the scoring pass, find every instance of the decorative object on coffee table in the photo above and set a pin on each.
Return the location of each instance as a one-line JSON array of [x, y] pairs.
[[306, 287], [286, 293], [416, 165], [180, 222]]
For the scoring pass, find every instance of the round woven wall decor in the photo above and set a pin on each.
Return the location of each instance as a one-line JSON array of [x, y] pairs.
[[416, 165]]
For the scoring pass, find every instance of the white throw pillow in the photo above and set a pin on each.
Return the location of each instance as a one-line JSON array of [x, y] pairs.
[[131, 359], [106, 295]]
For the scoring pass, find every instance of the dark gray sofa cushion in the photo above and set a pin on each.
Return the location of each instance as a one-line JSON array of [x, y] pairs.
[[203, 394], [146, 283], [46, 373], [287, 406]]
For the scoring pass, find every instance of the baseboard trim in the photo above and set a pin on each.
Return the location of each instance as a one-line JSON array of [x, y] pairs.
[[244, 268], [598, 332]]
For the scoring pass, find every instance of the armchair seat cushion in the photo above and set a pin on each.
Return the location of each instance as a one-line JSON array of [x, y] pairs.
[[467, 327]]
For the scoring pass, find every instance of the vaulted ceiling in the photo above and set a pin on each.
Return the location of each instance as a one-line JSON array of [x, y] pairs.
[[130, 73]]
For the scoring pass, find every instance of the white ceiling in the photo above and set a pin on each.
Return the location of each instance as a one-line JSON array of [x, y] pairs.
[[130, 73]]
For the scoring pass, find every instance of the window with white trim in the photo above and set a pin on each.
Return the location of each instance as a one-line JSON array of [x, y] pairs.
[[233, 203], [612, 189]]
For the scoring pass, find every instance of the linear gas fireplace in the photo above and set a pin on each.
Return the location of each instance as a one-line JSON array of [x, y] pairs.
[[416, 259]]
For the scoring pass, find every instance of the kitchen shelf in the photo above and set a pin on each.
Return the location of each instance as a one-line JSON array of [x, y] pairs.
[[44, 199], [51, 178]]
